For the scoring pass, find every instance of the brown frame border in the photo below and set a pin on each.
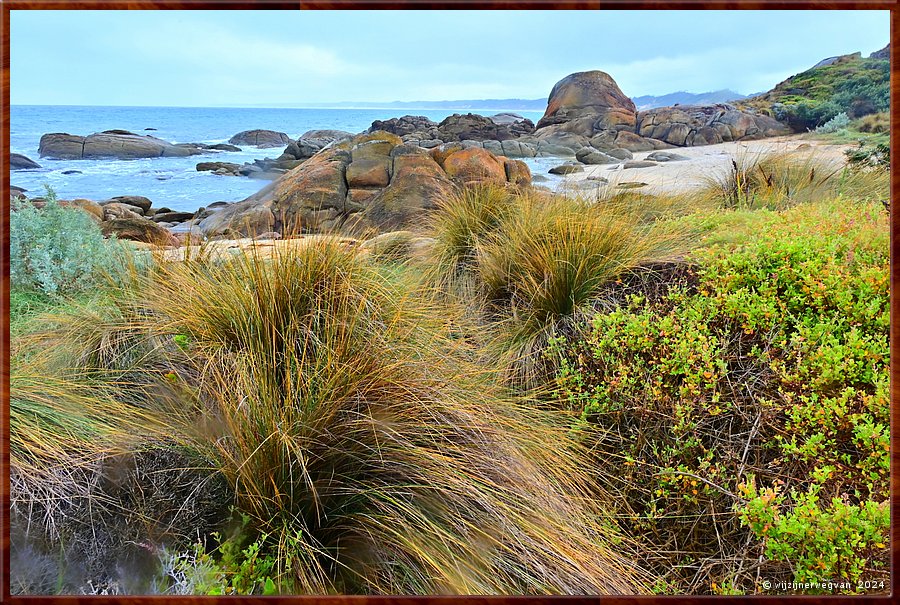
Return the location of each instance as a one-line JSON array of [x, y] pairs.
[[8, 5]]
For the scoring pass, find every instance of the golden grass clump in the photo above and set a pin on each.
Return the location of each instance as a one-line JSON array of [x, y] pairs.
[[773, 181], [875, 123], [358, 434], [460, 224], [534, 262]]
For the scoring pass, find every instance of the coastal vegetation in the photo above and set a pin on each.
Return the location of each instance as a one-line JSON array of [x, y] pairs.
[[401, 368], [681, 401], [850, 84]]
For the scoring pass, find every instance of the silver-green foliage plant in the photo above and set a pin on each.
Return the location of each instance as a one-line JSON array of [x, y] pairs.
[[55, 248], [838, 122]]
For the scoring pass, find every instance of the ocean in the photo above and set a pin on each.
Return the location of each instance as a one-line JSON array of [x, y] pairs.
[[174, 182]]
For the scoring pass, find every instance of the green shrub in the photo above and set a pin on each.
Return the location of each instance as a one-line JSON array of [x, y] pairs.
[[834, 541], [869, 156], [853, 85], [56, 249], [770, 362]]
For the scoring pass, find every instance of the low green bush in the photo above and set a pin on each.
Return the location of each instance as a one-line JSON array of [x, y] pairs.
[[754, 393], [869, 156]]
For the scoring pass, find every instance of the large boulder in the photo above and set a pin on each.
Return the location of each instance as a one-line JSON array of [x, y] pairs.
[[117, 144], [139, 229], [91, 207], [311, 142], [247, 218], [687, 125], [313, 196], [586, 102], [370, 183], [260, 138], [589, 155], [417, 186], [132, 200], [475, 165], [20, 162]]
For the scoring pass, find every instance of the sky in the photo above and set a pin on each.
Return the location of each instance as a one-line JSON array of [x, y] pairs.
[[283, 58]]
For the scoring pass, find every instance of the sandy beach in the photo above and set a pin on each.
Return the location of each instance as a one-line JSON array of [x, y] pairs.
[[703, 162]]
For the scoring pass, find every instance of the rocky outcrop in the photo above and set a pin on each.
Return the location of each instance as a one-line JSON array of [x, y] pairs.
[[373, 182], [588, 110], [884, 53], [407, 125], [117, 144], [587, 102], [20, 162], [469, 127], [260, 138], [684, 126], [311, 142]]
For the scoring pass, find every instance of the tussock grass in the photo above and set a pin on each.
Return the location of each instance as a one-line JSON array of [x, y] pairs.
[[461, 223], [773, 181], [61, 427], [359, 436], [534, 262], [875, 123], [553, 257]]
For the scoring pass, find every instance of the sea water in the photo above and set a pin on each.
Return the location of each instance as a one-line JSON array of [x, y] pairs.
[[175, 182]]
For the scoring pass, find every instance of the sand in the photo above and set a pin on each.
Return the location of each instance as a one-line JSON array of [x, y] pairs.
[[703, 163]]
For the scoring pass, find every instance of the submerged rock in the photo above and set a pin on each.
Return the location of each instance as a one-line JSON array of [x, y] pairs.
[[566, 169], [20, 162]]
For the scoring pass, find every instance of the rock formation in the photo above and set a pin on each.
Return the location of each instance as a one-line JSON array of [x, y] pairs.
[[372, 182], [685, 126], [588, 110], [260, 138], [118, 144], [469, 127], [20, 162], [587, 102]]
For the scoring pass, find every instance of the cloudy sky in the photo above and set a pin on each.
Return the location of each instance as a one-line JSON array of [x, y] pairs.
[[278, 58]]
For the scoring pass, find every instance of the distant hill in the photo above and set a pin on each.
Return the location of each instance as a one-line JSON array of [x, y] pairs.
[[643, 102], [848, 83], [464, 105], [687, 98]]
